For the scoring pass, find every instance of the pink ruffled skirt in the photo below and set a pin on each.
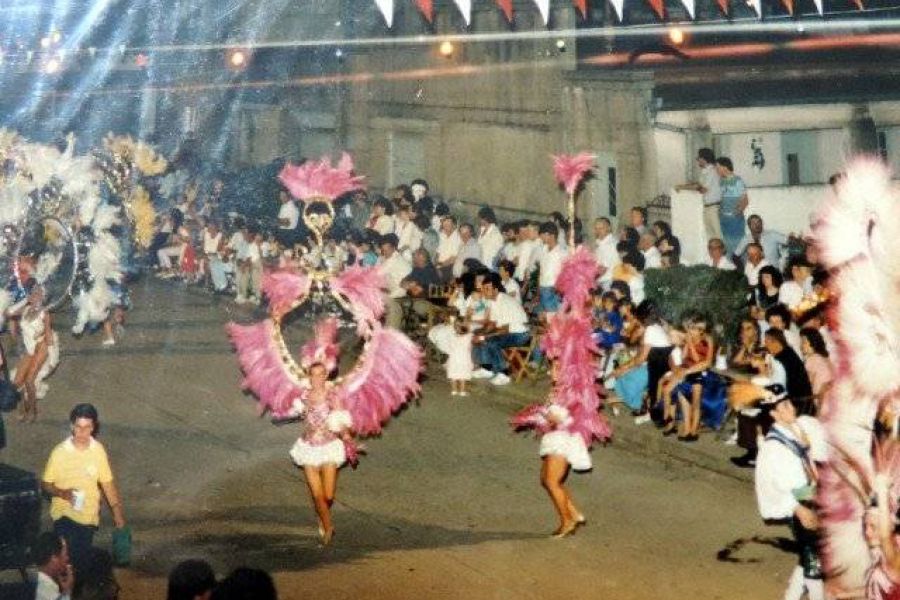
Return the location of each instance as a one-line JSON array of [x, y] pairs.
[[568, 445], [305, 454]]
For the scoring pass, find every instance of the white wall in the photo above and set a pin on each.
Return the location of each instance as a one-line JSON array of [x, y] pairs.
[[737, 147], [672, 159]]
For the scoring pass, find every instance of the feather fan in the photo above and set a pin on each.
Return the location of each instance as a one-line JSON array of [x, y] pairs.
[[318, 179], [570, 169]]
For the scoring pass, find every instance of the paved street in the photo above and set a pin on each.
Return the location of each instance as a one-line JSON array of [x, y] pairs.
[[446, 504]]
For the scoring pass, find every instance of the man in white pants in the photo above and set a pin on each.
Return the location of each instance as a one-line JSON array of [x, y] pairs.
[[708, 184]]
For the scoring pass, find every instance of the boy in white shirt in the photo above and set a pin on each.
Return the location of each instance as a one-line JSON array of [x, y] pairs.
[[249, 268]]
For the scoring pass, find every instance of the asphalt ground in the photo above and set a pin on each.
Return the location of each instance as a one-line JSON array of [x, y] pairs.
[[446, 504]]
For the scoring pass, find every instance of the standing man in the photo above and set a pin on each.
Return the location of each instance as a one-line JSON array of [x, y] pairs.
[[490, 240], [468, 248], [550, 266], [449, 245], [786, 475], [708, 185], [606, 252], [54, 577], [395, 269], [734, 203], [76, 474], [288, 218]]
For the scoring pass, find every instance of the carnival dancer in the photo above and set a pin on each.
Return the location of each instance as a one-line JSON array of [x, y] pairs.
[[786, 477], [320, 450], [41, 353]]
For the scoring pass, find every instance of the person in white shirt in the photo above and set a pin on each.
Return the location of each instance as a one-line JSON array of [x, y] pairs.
[[786, 476], [510, 249], [381, 218], [527, 255], [647, 246], [55, 577], [606, 252], [468, 248], [716, 258], [395, 269], [419, 189], [490, 240], [211, 259], [801, 283], [175, 250], [638, 217], [409, 236], [508, 327], [550, 266], [449, 245], [288, 219], [708, 184], [249, 268], [755, 262], [506, 269], [773, 242]]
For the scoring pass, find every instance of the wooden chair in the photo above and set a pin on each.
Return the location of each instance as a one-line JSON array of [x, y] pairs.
[[519, 359]]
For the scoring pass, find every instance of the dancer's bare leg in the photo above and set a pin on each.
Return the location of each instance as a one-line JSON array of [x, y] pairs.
[[329, 489], [553, 473], [317, 492]]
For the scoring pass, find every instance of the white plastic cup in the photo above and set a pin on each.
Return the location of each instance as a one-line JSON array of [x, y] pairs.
[[78, 500]]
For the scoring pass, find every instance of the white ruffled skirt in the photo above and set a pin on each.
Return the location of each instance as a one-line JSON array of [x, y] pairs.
[[305, 454], [568, 445]]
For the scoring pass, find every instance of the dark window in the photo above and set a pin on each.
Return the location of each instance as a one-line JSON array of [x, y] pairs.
[[793, 169], [882, 145], [613, 191]]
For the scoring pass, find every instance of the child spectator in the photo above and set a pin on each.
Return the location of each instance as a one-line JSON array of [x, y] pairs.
[[459, 359]]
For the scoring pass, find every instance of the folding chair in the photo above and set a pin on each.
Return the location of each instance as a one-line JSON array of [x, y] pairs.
[[519, 359]]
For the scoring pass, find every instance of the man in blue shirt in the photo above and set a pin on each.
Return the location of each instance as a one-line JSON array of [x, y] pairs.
[[772, 242]]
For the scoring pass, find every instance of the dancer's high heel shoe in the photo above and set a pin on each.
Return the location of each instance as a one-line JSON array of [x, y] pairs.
[[580, 519], [565, 530], [325, 535]]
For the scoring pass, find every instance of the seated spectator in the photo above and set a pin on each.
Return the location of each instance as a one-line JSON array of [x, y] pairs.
[[409, 236], [815, 319], [528, 253], [666, 395], [211, 263], [55, 577], [420, 280], [630, 270], [630, 237], [363, 249], [510, 233], [246, 584], [506, 269], [800, 284], [647, 246], [381, 218], [716, 257], [669, 259], [174, 250], [749, 345], [694, 375], [607, 320], [779, 317], [768, 290], [508, 327], [632, 379], [96, 580], [441, 211], [671, 245], [549, 267], [818, 366], [797, 380], [395, 269], [660, 230], [754, 263], [772, 243], [191, 580], [430, 237]]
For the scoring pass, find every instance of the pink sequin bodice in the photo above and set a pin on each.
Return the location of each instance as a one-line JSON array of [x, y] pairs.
[[316, 430]]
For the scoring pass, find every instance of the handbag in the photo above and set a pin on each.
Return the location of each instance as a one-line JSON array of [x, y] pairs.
[[121, 546], [9, 395]]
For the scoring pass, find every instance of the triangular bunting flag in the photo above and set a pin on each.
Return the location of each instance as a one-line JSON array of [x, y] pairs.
[[659, 7], [819, 7], [723, 5], [387, 9], [544, 8], [789, 5], [506, 7], [427, 8], [581, 5], [465, 7], [689, 6], [619, 6], [757, 6]]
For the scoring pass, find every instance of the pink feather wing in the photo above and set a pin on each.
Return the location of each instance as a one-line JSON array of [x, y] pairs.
[[385, 379], [318, 179], [363, 288], [283, 288], [570, 169], [265, 375]]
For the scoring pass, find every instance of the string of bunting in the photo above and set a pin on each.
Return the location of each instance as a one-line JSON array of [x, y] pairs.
[[426, 7]]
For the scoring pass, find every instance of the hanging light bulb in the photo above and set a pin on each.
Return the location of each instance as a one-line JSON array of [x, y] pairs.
[[676, 36], [446, 49]]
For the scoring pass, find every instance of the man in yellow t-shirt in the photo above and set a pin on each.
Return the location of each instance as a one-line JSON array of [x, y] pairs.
[[76, 473]]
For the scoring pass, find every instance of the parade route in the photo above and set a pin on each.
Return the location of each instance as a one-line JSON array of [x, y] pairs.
[[446, 504]]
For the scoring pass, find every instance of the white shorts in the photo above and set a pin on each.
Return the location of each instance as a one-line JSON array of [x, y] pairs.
[[568, 445], [307, 455]]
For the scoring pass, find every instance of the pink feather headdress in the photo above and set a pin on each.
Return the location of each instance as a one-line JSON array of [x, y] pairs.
[[570, 169], [319, 180]]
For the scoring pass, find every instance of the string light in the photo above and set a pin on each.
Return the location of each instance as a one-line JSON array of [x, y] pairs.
[[237, 59], [676, 36], [446, 49], [52, 66]]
